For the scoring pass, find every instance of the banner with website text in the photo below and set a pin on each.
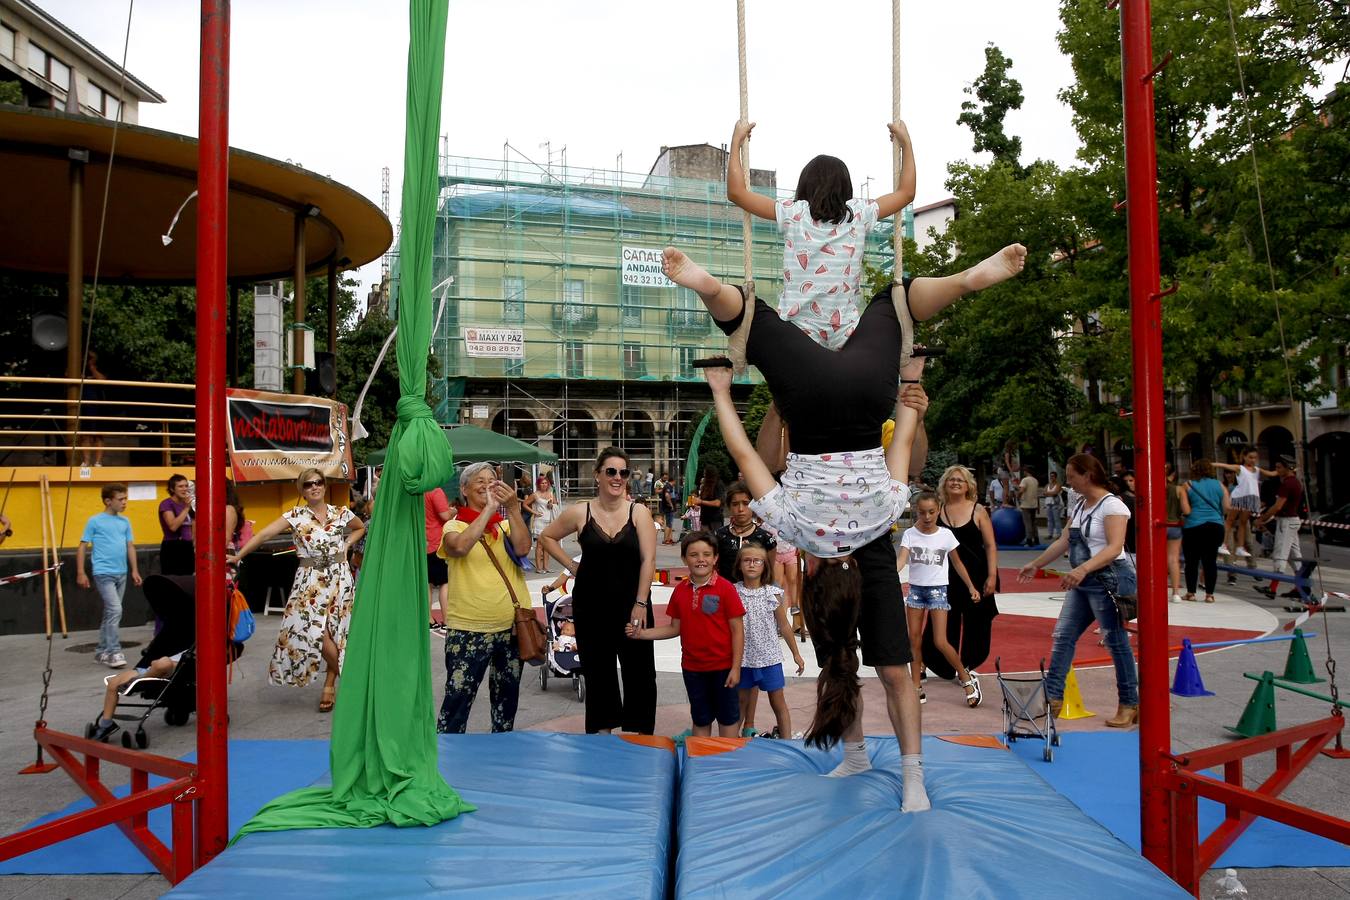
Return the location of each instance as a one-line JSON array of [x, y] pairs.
[[275, 437]]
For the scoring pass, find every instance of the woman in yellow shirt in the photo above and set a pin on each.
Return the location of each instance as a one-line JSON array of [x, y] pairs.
[[479, 612]]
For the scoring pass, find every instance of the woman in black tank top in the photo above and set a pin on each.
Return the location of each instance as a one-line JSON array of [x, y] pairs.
[[612, 588], [969, 624]]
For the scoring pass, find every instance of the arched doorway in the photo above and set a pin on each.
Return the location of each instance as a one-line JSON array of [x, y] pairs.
[[1229, 446], [1330, 460], [635, 433], [574, 440], [1190, 452], [1274, 442]]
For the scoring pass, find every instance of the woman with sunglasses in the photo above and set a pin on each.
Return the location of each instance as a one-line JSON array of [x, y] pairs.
[[318, 611], [613, 584]]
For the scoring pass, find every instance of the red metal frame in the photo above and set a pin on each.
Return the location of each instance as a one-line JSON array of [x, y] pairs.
[[1141, 196], [130, 813], [1191, 857], [1169, 786], [213, 164]]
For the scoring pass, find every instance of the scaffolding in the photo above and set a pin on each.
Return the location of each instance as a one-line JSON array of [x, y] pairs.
[[537, 250]]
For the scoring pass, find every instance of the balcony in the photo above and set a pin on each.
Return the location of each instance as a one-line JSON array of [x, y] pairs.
[[634, 368], [687, 321], [575, 315]]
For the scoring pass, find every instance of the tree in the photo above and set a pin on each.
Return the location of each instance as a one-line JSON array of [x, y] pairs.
[[1221, 331], [998, 94]]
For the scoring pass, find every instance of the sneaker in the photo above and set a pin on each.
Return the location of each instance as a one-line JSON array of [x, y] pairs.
[[115, 660], [1292, 594], [101, 656], [771, 735], [1243, 554], [1224, 551], [750, 732], [101, 733], [923, 698], [1176, 598], [1264, 590], [439, 630]]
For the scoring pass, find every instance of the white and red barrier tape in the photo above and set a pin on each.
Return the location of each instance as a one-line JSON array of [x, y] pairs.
[[10, 579], [1324, 524]]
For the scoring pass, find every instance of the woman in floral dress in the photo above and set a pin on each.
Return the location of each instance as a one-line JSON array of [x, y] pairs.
[[318, 611]]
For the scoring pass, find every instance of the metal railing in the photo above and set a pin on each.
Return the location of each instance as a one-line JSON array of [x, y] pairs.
[[47, 421]]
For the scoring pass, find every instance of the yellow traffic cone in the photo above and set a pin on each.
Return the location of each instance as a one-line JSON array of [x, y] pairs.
[[1073, 700]]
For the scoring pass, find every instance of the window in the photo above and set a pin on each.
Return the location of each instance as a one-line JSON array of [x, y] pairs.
[[633, 366], [685, 361], [513, 298], [104, 102], [48, 66], [514, 368], [574, 359], [630, 301], [574, 299], [6, 41]]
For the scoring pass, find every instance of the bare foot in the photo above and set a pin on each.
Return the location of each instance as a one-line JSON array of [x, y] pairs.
[[1000, 267], [686, 273]]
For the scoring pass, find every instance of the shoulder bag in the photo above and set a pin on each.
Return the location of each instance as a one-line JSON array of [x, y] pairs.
[[531, 641]]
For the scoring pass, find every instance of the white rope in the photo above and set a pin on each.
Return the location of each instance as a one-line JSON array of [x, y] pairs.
[[358, 430], [739, 338]]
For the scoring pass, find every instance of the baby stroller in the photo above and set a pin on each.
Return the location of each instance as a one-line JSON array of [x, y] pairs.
[[173, 600], [561, 663], [1025, 702]]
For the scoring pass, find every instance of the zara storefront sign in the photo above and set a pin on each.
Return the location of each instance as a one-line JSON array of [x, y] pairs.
[[499, 343], [641, 267]]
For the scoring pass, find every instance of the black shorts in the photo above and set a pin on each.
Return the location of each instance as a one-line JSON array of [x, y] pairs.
[[832, 400], [437, 573], [881, 621], [710, 698]]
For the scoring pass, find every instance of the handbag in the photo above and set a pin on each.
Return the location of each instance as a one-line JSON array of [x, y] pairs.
[[531, 641]]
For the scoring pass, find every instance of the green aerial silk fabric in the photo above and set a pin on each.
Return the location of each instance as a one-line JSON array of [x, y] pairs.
[[691, 464], [383, 749]]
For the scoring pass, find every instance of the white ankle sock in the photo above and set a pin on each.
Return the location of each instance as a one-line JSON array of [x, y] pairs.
[[855, 760], [911, 779]]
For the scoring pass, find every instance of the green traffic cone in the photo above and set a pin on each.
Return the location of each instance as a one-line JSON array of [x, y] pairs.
[[1259, 716], [1299, 668]]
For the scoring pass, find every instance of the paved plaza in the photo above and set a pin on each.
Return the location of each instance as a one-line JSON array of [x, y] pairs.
[[259, 710]]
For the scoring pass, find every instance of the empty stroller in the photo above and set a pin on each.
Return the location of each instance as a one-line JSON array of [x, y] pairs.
[[173, 599], [562, 660], [1025, 701]]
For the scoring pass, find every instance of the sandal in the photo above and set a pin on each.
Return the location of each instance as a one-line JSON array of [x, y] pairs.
[[1209, 598], [327, 699], [973, 693], [1189, 598]]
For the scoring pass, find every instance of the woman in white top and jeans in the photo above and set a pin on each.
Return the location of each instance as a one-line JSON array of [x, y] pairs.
[[1246, 503], [1095, 540]]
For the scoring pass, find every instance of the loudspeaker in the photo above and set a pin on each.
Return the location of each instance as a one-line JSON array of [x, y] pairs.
[[321, 381]]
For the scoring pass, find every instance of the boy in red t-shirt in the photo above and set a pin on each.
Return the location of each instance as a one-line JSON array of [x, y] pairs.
[[706, 614]]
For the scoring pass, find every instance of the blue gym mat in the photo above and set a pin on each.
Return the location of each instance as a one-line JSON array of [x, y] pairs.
[[760, 821], [1084, 758], [259, 771], [559, 815]]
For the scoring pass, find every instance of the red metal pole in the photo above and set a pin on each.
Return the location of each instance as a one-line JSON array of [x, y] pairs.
[[213, 169], [1141, 192]]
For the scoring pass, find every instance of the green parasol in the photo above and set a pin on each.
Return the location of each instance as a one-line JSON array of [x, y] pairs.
[[691, 465], [383, 749]]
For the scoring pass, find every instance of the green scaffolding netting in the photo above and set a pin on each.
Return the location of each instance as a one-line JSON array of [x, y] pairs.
[[383, 749]]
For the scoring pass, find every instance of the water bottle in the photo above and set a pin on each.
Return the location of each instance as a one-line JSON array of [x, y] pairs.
[[1228, 887]]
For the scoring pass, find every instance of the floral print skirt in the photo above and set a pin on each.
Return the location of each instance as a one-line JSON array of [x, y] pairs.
[[320, 603]]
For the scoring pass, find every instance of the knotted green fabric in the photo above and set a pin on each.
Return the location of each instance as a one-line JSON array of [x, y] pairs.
[[383, 749]]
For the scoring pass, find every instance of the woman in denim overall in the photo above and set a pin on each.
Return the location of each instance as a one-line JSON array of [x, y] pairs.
[[1095, 541]]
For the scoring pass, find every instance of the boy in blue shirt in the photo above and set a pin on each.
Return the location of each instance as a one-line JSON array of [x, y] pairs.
[[114, 554]]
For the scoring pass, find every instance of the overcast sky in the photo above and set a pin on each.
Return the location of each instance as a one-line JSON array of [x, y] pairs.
[[321, 82]]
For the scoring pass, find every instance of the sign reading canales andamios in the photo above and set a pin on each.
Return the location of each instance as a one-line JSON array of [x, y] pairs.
[[499, 343], [275, 437], [641, 267]]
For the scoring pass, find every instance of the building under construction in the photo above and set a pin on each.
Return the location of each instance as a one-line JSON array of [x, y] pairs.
[[558, 327]]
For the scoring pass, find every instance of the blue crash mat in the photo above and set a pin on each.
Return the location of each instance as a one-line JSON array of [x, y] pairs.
[[761, 821], [259, 771], [559, 815], [1076, 773]]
